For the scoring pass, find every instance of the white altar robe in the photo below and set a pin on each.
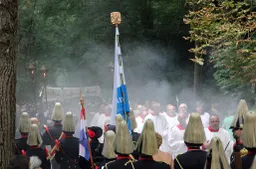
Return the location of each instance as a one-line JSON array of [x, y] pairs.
[[161, 127], [176, 140], [225, 138]]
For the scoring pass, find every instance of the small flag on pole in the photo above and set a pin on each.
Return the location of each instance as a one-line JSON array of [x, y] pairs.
[[84, 150], [120, 95]]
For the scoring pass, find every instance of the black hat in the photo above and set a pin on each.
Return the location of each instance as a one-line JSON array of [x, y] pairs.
[[97, 132], [111, 127]]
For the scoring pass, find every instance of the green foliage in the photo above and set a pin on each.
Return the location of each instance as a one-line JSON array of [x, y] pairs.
[[225, 30]]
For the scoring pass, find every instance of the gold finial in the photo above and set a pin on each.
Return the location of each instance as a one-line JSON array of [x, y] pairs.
[[81, 98], [115, 18]]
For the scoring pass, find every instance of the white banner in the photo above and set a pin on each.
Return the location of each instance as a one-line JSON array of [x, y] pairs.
[[65, 93]]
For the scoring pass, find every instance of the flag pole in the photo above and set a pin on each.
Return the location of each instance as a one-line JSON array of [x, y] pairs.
[[86, 129], [119, 76]]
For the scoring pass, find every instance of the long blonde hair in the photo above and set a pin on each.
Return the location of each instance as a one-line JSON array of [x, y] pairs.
[[69, 123], [194, 132], [124, 144], [254, 163], [147, 143], [57, 113], [25, 123], [108, 147], [119, 120], [219, 159], [132, 120], [242, 109], [34, 137], [249, 132]]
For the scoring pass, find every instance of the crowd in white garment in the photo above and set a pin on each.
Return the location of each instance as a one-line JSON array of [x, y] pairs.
[[171, 126]]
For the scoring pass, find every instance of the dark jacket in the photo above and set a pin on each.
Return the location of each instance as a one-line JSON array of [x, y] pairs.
[[53, 134], [68, 154], [41, 153], [146, 163], [191, 159], [21, 144]]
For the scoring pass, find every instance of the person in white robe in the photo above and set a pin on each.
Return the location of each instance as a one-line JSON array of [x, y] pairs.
[[183, 110], [103, 120], [204, 115], [214, 130], [171, 115], [175, 136], [96, 116], [160, 123], [140, 119]]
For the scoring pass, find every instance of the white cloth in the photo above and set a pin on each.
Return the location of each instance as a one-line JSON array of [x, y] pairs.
[[161, 126], [95, 119], [172, 121], [205, 119], [225, 138], [176, 141], [140, 123], [103, 120]]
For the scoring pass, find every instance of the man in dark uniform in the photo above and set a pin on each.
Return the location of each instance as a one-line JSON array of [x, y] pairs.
[[249, 139], [94, 133], [147, 147], [237, 129], [53, 133], [67, 154], [24, 126], [124, 147], [194, 137], [35, 149]]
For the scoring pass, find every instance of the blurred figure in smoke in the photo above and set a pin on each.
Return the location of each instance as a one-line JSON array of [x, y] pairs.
[[96, 116], [160, 123], [204, 115], [171, 115], [215, 110], [140, 119], [183, 108], [35, 120], [137, 110], [103, 120], [227, 123]]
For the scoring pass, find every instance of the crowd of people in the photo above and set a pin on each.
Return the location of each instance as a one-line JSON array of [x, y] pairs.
[[155, 137]]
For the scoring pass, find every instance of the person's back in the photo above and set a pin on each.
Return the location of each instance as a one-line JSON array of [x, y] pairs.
[[163, 157], [191, 159], [147, 163]]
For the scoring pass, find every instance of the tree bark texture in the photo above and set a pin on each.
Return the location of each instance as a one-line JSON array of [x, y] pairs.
[[8, 30]]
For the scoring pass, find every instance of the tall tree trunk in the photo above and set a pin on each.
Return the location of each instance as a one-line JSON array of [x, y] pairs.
[[8, 30]]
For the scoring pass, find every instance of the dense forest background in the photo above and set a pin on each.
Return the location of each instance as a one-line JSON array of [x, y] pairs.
[[75, 41]]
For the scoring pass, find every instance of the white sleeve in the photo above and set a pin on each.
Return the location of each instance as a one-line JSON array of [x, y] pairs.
[[228, 146], [175, 142]]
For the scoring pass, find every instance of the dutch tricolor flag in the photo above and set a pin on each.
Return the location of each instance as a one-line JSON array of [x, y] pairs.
[[84, 150]]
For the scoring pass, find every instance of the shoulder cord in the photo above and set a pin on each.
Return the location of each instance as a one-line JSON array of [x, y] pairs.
[[48, 132], [176, 158], [131, 162]]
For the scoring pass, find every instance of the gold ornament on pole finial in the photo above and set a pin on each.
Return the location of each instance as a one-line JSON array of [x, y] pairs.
[[115, 18]]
